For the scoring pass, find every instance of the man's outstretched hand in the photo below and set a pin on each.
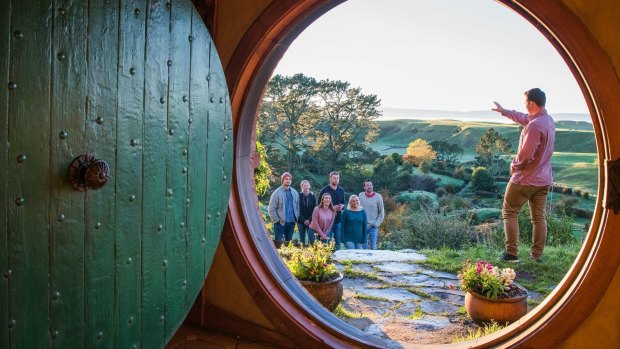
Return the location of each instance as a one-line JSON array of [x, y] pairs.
[[498, 108]]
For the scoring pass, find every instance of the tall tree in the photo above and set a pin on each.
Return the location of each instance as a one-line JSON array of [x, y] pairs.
[[346, 121], [287, 114], [418, 151], [490, 149], [447, 152]]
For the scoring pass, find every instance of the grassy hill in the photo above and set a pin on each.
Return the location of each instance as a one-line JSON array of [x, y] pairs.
[[395, 135], [575, 162]]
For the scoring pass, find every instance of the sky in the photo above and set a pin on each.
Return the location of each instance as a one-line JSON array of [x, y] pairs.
[[457, 55]]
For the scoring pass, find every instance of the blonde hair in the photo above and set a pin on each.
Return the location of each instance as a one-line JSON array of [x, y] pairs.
[[304, 181], [359, 208]]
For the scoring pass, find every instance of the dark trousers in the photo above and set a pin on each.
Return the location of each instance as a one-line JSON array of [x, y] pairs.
[[303, 229], [283, 231]]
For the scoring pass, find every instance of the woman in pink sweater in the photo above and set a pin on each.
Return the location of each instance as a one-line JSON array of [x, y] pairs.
[[323, 217]]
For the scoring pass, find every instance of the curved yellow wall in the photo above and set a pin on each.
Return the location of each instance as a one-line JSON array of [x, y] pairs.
[[602, 328], [601, 17]]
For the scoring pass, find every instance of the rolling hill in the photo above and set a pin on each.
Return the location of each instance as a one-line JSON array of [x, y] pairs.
[[395, 135]]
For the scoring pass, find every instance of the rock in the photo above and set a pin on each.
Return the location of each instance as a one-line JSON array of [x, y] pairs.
[[373, 256], [384, 305]]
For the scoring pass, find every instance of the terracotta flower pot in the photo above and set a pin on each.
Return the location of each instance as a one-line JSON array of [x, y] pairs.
[[484, 310], [328, 293]]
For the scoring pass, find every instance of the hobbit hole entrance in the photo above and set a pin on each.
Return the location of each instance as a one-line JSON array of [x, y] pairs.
[[273, 62]]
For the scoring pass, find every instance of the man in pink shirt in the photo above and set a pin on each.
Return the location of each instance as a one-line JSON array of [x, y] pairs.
[[531, 174]]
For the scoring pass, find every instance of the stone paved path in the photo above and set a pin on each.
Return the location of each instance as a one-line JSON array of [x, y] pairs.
[[389, 294]]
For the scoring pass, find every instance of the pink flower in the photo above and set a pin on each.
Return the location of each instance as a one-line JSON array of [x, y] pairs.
[[479, 266]]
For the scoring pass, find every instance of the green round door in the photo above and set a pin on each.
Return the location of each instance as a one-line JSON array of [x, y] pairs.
[[110, 258]]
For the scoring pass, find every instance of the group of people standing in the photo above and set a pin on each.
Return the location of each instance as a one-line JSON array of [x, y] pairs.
[[357, 225], [326, 218]]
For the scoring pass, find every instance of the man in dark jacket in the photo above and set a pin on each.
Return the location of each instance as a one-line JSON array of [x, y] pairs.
[[337, 194]]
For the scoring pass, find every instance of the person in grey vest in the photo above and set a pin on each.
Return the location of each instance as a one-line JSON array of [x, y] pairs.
[[284, 209], [372, 204]]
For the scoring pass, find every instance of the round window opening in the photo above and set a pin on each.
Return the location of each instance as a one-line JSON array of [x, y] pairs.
[[551, 312]]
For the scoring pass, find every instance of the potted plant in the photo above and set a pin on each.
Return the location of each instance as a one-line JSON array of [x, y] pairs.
[[315, 269], [491, 294]]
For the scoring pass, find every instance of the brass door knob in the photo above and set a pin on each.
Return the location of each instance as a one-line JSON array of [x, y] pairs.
[[88, 173]]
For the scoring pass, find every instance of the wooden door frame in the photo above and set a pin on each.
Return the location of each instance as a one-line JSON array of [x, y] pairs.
[[280, 296]]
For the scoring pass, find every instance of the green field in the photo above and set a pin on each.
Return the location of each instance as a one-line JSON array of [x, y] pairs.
[[443, 180], [575, 161], [395, 135], [576, 170]]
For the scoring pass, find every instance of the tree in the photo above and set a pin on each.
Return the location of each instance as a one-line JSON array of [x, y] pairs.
[[490, 149], [345, 121], [447, 152], [287, 114], [482, 179], [425, 166], [385, 170], [262, 172], [418, 151], [397, 158], [352, 177]]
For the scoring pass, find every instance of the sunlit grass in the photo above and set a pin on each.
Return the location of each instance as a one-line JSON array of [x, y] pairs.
[[419, 292], [341, 312], [481, 331], [356, 273], [370, 297], [540, 277], [417, 314]]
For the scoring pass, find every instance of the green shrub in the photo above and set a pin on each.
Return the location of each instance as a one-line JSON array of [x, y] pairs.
[[394, 226], [430, 229], [440, 192], [490, 234], [480, 215], [482, 179], [425, 166], [418, 199], [423, 182], [404, 228], [460, 173], [566, 206], [452, 203], [403, 179], [559, 229], [451, 188]]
